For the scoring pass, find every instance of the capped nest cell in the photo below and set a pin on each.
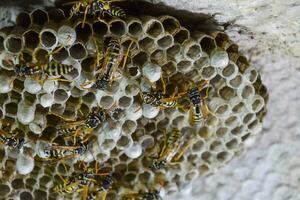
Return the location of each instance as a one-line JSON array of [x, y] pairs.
[[161, 51]]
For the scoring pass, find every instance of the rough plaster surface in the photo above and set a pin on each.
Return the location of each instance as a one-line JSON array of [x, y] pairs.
[[268, 32]]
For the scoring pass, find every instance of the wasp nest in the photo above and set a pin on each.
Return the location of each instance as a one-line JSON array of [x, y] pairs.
[[161, 49]]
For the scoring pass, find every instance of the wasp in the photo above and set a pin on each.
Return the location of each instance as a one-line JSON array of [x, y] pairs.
[[80, 182], [172, 142], [158, 98], [112, 59], [92, 7], [37, 70], [151, 195], [199, 110], [75, 182], [57, 152], [11, 142], [101, 190], [93, 119]]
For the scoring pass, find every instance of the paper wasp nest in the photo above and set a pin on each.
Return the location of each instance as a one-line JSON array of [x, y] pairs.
[[237, 99]]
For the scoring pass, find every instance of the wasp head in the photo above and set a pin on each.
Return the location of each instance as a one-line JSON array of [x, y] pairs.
[[81, 149], [157, 164], [100, 85], [11, 142], [21, 143], [107, 182], [194, 96]]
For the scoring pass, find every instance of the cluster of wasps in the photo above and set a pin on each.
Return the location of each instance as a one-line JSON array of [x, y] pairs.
[[89, 181]]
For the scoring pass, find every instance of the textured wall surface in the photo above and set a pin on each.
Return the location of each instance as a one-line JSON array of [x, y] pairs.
[[268, 33]]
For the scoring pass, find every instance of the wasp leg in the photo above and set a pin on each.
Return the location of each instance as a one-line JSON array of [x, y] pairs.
[[163, 84], [86, 83], [42, 81], [104, 195], [127, 53], [165, 143], [182, 151], [85, 192], [84, 16]]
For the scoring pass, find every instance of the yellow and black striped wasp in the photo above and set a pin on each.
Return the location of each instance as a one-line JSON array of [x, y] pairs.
[[172, 150], [100, 190], [141, 195], [11, 141], [82, 181], [52, 70], [112, 59], [199, 110], [159, 98], [92, 7], [172, 142], [83, 127], [57, 152]]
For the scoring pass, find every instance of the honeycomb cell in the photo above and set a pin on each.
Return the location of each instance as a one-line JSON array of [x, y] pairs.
[[4, 190], [169, 69], [207, 44], [135, 28], [56, 15], [26, 196], [83, 32], [39, 17], [147, 44], [48, 38], [31, 39], [165, 42], [184, 66], [23, 19], [117, 27], [159, 56], [153, 28], [78, 51], [13, 44], [60, 54], [100, 28], [182, 35]]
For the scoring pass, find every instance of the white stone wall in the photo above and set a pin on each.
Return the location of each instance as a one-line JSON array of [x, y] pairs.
[[268, 32]]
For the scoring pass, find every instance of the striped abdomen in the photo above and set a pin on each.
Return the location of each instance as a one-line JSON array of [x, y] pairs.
[[26, 70], [56, 69], [115, 11], [113, 53], [56, 153], [67, 188], [112, 56], [67, 131], [169, 104], [173, 138], [152, 98], [197, 113]]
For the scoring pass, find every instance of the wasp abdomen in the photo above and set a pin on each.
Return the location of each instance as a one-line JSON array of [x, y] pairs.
[[116, 11], [56, 69]]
